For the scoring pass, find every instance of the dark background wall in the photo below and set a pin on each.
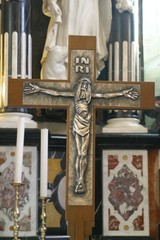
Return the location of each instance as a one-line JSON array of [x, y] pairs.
[[39, 25]]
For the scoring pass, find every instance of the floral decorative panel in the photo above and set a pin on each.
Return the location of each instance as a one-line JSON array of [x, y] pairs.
[[125, 193], [27, 195]]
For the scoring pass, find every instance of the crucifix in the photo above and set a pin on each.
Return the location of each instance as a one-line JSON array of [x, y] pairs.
[[81, 95]]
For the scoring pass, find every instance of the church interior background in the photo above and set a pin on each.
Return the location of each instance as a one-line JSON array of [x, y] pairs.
[[133, 153]]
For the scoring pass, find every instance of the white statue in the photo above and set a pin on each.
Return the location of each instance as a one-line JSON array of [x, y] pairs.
[[74, 17], [125, 5]]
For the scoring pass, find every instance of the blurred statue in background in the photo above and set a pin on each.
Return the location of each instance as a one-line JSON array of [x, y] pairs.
[[74, 17], [153, 117]]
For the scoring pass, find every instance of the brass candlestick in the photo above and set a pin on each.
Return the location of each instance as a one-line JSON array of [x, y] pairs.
[[16, 212], [43, 218]]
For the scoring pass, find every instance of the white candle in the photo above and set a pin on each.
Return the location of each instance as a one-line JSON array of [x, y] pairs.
[[110, 63], [19, 150], [14, 54], [5, 67], [23, 55], [116, 61], [44, 163], [29, 56], [125, 61]]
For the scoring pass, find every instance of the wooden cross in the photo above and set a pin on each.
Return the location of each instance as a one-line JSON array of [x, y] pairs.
[[81, 95]]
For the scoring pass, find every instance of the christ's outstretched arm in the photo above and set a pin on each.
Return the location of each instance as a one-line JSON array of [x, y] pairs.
[[128, 93], [32, 88]]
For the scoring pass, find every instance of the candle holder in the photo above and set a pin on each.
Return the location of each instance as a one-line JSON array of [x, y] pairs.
[[43, 218], [16, 212]]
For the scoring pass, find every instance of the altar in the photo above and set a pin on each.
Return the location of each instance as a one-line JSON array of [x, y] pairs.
[[57, 229]]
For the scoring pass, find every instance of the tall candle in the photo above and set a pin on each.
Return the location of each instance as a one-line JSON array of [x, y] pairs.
[[44, 163], [19, 150]]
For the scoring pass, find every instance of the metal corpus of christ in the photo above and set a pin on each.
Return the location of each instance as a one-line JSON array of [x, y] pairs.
[[81, 95]]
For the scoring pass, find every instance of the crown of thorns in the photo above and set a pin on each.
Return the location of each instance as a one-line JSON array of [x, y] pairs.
[[84, 79]]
